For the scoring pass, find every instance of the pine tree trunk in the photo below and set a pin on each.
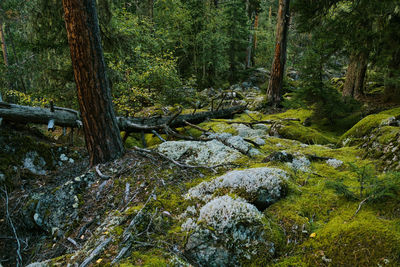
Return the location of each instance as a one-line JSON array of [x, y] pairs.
[[3, 44], [102, 136], [278, 65], [392, 87], [355, 75], [151, 9]]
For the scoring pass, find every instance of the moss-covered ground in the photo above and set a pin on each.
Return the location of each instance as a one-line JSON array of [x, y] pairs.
[[321, 224]]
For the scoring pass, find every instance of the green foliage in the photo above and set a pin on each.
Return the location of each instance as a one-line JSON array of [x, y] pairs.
[[341, 189], [369, 185]]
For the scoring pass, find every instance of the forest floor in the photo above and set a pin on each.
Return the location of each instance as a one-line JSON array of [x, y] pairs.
[[335, 201]]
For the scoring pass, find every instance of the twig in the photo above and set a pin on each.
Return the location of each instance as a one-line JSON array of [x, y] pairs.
[[95, 252], [73, 242], [158, 135], [222, 100], [19, 259], [101, 175], [360, 205], [184, 137], [126, 234], [127, 190], [195, 126], [121, 253]]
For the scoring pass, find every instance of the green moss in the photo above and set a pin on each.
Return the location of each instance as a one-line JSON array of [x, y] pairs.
[[369, 123], [132, 141], [218, 126], [133, 210], [387, 134], [364, 241], [292, 261], [307, 135], [152, 258]]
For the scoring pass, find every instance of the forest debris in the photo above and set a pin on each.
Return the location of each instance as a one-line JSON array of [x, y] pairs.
[[96, 252], [100, 174], [70, 118]]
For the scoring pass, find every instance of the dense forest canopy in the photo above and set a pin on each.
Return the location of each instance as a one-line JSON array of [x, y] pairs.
[[157, 51]]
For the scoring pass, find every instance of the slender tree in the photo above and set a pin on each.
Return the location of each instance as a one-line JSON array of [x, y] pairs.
[[278, 65], [3, 43], [102, 135], [355, 75]]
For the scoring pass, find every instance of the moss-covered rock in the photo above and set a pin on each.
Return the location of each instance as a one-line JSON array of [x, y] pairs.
[[230, 232], [367, 125], [365, 241], [260, 186]]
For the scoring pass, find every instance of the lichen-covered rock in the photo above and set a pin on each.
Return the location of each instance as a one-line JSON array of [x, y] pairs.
[[258, 131], [34, 163], [300, 164], [237, 142], [24, 155], [335, 163], [55, 210], [200, 153], [261, 186], [230, 232]]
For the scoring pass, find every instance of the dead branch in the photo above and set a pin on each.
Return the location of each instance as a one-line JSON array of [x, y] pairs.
[[360, 206], [19, 258], [100, 174], [70, 118], [96, 252]]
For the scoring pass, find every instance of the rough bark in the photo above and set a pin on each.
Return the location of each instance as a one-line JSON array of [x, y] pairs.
[[278, 65], [3, 43], [355, 75], [392, 88], [70, 118], [103, 140]]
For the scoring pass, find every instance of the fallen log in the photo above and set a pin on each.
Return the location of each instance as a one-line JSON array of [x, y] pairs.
[[70, 118]]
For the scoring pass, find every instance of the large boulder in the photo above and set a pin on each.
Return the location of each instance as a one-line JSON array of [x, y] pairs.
[[200, 153], [230, 232], [260, 186]]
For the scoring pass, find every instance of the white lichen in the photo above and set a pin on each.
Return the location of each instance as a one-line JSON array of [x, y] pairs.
[[300, 164], [34, 163], [335, 163], [249, 180], [200, 153], [224, 213]]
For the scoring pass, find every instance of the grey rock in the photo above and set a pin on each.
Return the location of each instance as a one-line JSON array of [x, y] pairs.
[[200, 153], [57, 208], [229, 231], [261, 186], [34, 163]]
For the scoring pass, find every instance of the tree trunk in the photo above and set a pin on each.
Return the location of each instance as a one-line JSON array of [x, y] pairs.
[[249, 52], [255, 37], [70, 118], [278, 65], [392, 86], [3, 44], [151, 9], [355, 75], [102, 136]]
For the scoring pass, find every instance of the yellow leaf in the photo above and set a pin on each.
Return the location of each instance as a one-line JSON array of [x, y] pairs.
[[98, 261], [313, 235]]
